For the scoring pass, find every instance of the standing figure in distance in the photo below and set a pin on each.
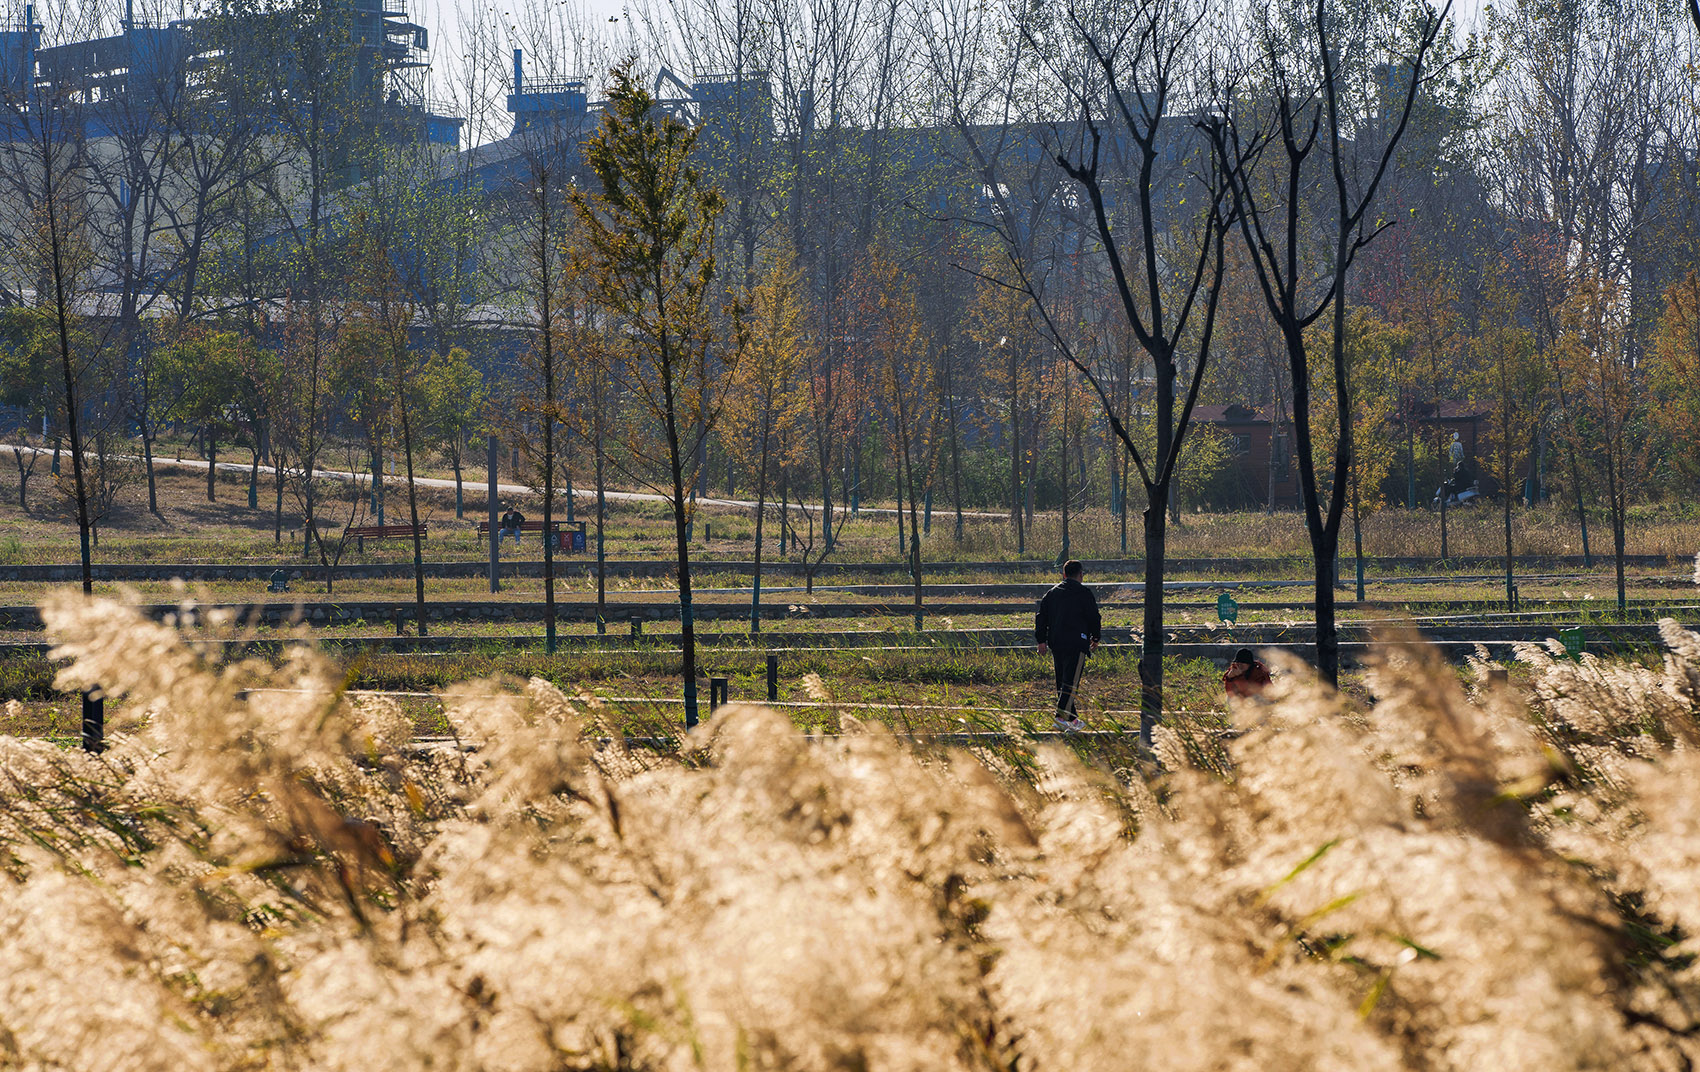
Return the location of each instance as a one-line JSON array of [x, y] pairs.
[[1068, 626]]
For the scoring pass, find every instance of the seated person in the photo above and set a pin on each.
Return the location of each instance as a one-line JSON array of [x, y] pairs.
[[510, 526], [1463, 476], [1246, 676]]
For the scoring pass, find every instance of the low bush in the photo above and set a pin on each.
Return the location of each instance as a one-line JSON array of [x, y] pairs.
[[1446, 879]]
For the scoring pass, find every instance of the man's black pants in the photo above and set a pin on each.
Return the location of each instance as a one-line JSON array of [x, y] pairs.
[[1070, 664]]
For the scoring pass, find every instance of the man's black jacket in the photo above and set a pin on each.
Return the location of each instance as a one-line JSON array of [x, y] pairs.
[[1068, 617]]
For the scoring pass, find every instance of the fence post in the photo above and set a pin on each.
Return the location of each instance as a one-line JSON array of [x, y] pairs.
[[716, 693], [94, 721], [772, 677], [637, 628]]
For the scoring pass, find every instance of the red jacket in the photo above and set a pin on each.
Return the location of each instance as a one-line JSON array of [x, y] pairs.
[[1248, 683]]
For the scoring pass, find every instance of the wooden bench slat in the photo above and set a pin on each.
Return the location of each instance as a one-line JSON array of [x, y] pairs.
[[362, 533], [374, 531]]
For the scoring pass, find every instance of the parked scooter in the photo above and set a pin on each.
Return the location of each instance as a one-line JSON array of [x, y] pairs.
[[1469, 495], [1460, 489]]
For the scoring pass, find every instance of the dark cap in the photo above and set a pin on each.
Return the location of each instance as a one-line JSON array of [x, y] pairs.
[[1244, 655]]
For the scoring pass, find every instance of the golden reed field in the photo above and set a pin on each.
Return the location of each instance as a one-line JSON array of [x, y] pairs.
[[1449, 878]]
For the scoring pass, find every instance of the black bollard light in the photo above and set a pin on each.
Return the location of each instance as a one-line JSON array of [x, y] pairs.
[[94, 721]]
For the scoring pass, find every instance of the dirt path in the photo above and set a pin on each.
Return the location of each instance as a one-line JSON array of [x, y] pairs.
[[581, 494]]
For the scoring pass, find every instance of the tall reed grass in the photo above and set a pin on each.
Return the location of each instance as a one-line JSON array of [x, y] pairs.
[[1448, 879]]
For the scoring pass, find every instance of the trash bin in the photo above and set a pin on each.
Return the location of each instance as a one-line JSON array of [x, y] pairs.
[[570, 539]]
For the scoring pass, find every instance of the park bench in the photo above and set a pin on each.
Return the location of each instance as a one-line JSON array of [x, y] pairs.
[[362, 533], [571, 532]]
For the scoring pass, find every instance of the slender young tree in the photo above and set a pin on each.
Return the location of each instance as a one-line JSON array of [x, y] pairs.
[[381, 315], [649, 227], [547, 254], [1306, 113], [894, 335], [765, 414], [455, 404], [1126, 70], [594, 413], [46, 172], [1610, 402]]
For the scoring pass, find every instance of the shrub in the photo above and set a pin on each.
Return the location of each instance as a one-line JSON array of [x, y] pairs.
[[280, 879]]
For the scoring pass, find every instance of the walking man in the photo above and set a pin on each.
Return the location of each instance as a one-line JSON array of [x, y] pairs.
[[1068, 626]]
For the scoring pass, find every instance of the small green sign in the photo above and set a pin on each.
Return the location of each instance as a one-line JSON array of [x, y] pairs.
[[1226, 609], [1574, 641]]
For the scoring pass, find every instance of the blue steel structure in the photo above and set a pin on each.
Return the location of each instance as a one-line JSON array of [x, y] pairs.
[[145, 62]]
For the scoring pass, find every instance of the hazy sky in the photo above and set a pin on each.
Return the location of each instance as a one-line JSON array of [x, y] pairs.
[[441, 17]]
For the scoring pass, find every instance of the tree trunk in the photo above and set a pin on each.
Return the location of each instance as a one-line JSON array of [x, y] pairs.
[[460, 495], [956, 470], [908, 469], [601, 513], [1327, 633], [23, 478], [761, 515], [413, 517], [902, 548], [687, 623], [1444, 495], [1015, 455], [1151, 637], [377, 452], [1618, 492], [549, 640], [825, 497], [1121, 501], [1505, 489], [147, 462], [1065, 503], [62, 315], [309, 523], [1581, 508], [1358, 539]]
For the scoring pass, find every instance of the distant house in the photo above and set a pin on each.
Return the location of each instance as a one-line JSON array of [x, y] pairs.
[[1262, 454], [1254, 448]]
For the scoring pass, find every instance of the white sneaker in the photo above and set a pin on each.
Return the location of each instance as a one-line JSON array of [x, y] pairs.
[[1069, 725]]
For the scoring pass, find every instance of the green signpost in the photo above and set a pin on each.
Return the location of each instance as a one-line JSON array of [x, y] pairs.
[[1226, 609], [1574, 641]]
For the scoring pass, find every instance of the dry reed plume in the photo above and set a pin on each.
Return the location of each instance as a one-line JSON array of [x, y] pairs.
[[275, 880]]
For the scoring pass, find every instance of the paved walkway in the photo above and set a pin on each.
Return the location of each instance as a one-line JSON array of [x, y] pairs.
[[581, 494]]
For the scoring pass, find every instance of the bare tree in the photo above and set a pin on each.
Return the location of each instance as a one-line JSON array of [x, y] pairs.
[[46, 168], [1126, 71], [1302, 257]]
